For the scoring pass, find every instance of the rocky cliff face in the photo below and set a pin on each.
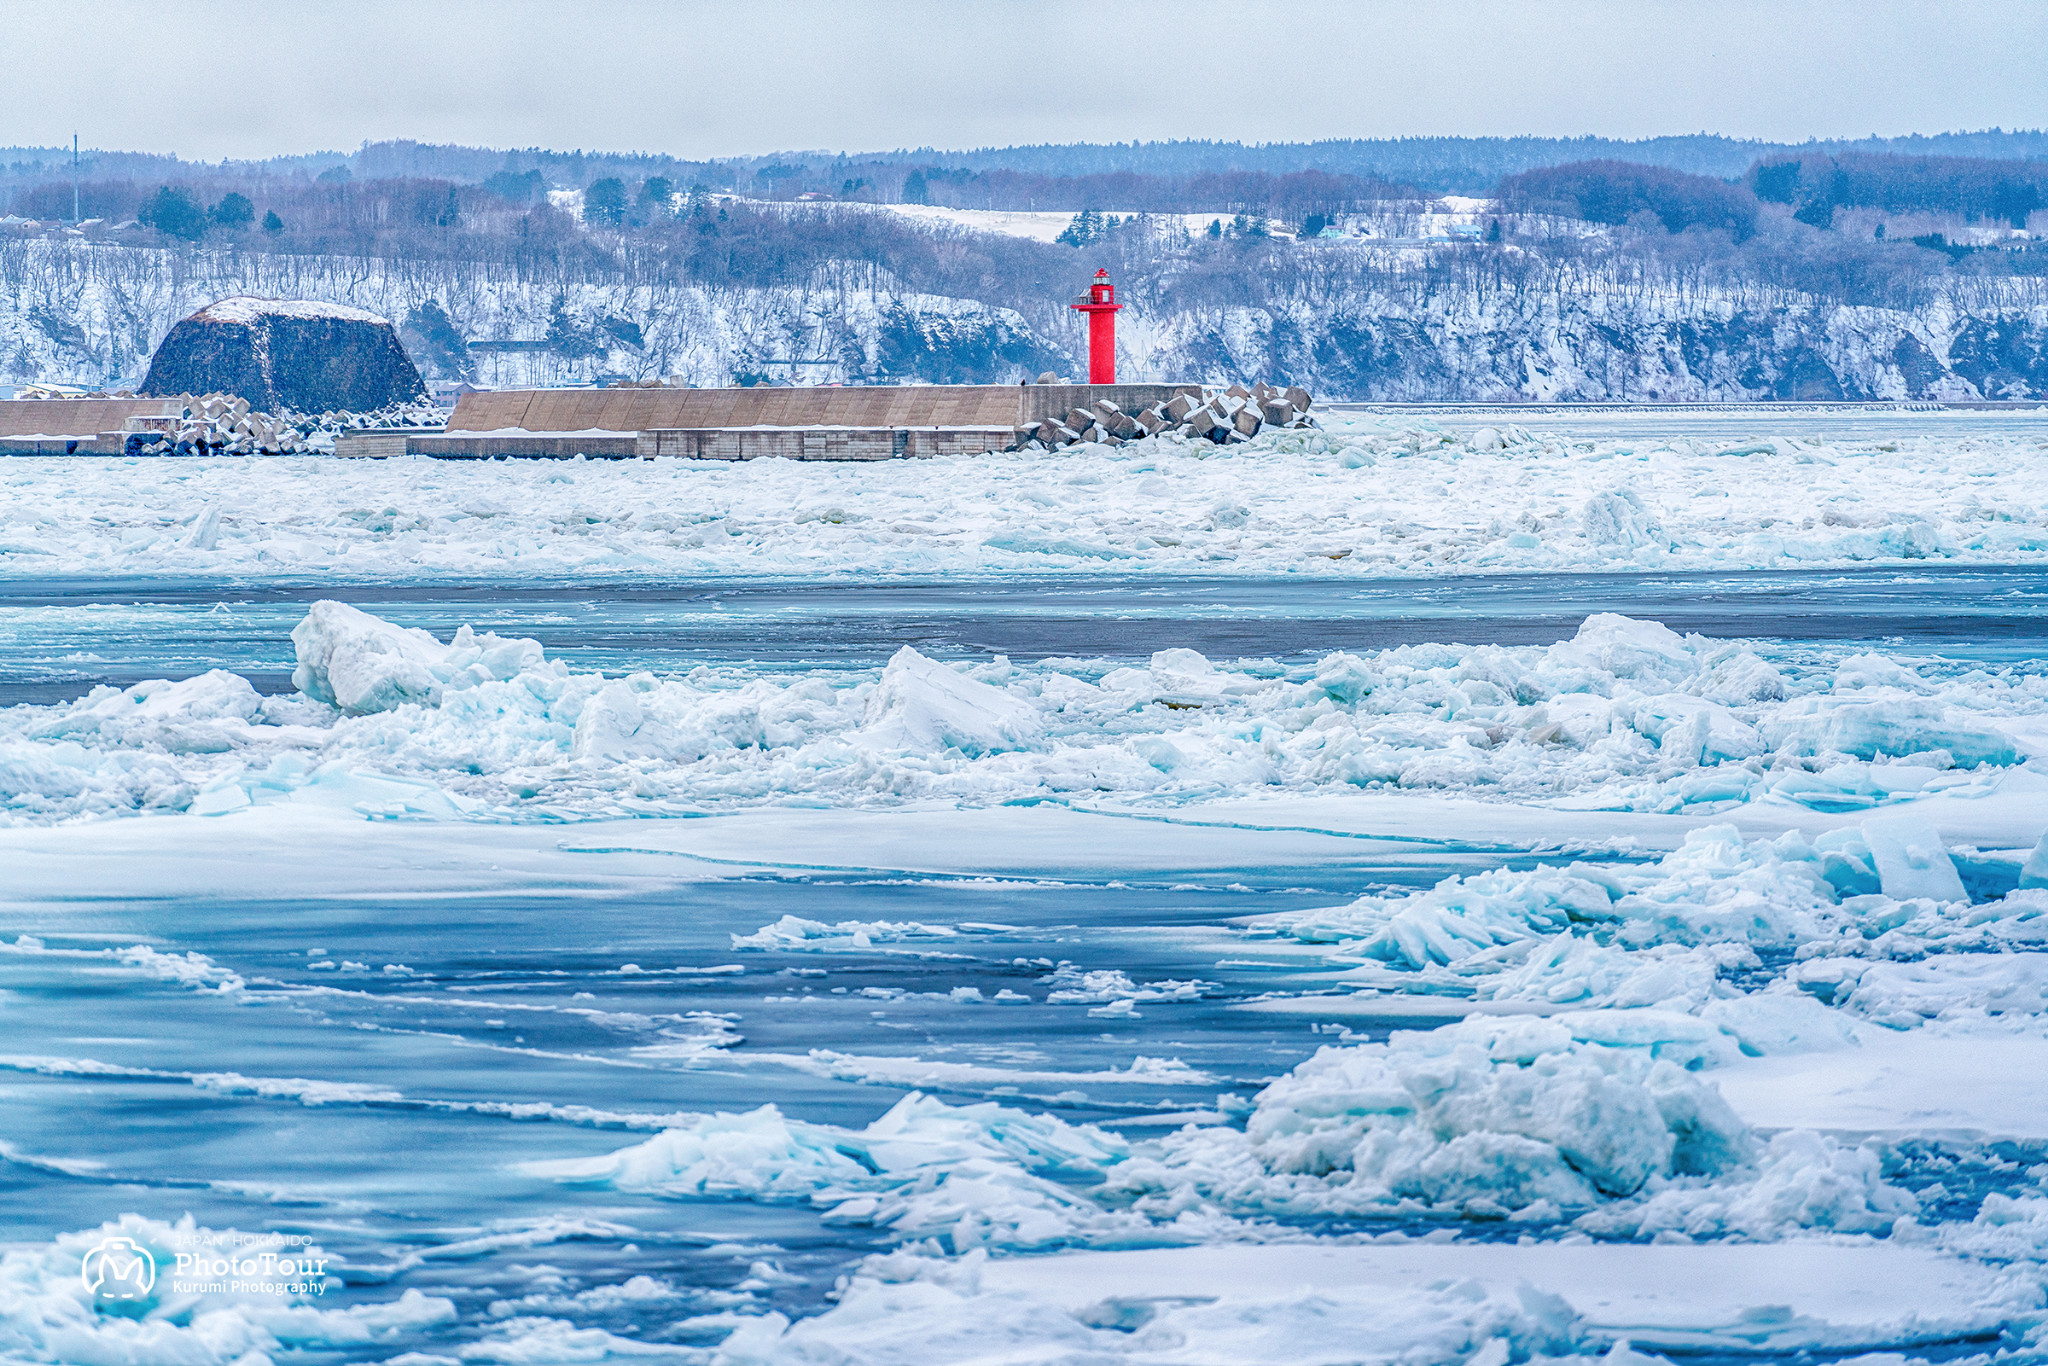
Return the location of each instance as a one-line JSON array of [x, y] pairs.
[[311, 357]]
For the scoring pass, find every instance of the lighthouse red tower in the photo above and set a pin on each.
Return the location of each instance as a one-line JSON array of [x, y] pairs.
[[1100, 305]]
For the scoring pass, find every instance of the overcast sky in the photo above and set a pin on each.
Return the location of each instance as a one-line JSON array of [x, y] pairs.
[[209, 79]]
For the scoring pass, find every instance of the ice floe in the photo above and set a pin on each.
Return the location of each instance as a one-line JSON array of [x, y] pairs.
[[1402, 1300], [1626, 715], [360, 663], [1366, 496], [1689, 1072], [1496, 1119], [1672, 955], [976, 1175]]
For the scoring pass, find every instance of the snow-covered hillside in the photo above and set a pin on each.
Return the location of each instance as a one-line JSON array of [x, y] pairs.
[[94, 311], [1608, 347]]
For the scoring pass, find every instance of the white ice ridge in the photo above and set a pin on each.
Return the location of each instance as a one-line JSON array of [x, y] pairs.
[[354, 661], [1495, 1119], [1607, 939], [1627, 715], [1362, 499]]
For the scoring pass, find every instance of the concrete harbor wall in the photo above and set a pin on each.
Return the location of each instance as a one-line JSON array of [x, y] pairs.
[[95, 426], [824, 423]]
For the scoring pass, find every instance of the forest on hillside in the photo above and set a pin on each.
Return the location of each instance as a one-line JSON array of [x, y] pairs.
[[1859, 229], [573, 285], [1437, 165]]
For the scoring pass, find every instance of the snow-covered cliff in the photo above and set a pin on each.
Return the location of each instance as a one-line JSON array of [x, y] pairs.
[[93, 312]]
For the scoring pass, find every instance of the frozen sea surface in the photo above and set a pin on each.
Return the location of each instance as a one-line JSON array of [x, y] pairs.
[[1366, 497], [512, 1083], [1121, 965], [1731, 423]]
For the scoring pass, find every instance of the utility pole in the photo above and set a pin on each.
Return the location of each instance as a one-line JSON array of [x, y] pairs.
[[76, 217]]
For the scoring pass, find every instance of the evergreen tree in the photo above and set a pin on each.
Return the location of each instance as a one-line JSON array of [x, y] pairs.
[[605, 201], [515, 188], [1777, 182], [234, 211], [174, 213], [658, 195], [1087, 226]]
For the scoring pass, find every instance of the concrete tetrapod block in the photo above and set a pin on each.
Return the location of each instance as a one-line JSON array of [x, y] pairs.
[[1246, 421], [1277, 411], [1298, 396]]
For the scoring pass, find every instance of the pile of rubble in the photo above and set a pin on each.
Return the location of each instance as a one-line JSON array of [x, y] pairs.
[[1233, 415], [223, 424]]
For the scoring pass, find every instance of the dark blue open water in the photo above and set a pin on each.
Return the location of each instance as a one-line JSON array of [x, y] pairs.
[[58, 638]]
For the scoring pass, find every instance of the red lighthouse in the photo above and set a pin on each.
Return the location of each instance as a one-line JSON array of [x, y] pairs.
[[1101, 307]]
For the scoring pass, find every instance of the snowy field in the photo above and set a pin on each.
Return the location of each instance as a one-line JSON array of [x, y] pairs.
[[603, 980]]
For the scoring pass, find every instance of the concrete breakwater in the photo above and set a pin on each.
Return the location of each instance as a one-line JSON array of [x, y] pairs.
[[832, 423], [823, 423]]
